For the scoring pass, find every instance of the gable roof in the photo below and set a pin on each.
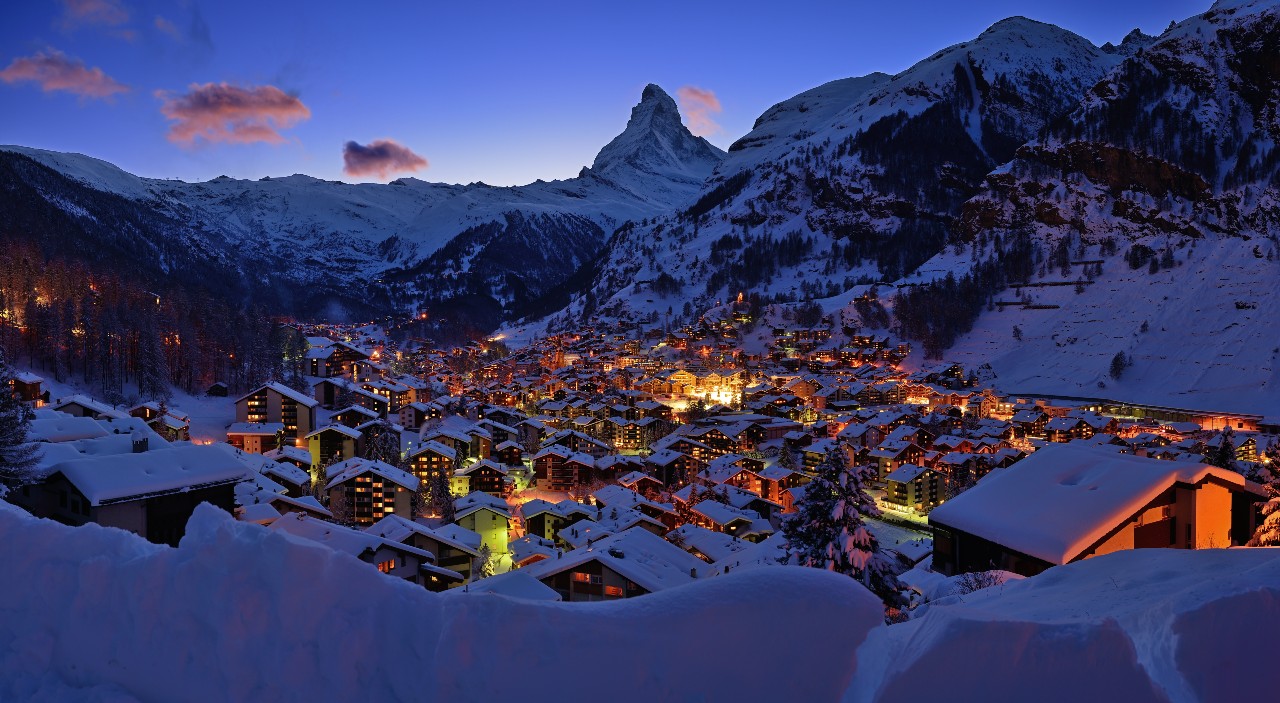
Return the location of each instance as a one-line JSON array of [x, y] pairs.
[[637, 554], [115, 478], [1062, 499], [348, 469]]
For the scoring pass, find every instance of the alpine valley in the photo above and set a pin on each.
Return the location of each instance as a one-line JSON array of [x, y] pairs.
[[1026, 200]]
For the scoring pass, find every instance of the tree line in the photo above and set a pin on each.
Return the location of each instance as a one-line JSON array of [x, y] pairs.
[[65, 321]]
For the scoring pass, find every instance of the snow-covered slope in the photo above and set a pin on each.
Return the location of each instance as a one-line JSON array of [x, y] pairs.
[[850, 182], [1173, 158], [316, 231]]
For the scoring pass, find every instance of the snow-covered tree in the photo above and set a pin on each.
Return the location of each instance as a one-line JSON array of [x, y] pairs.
[[829, 531], [17, 457], [382, 443], [1224, 454], [482, 566], [1267, 472]]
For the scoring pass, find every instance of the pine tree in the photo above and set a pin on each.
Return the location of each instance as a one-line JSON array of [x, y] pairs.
[[153, 366], [1267, 473], [482, 565], [1223, 456], [787, 459], [1119, 363], [382, 443], [829, 531], [17, 457]]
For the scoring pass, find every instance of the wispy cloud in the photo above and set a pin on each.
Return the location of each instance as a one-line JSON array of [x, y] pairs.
[[55, 71], [698, 106], [167, 27], [380, 158], [101, 12], [219, 112]]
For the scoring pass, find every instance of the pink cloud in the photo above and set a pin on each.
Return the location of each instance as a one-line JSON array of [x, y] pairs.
[[167, 27], [698, 105], [55, 71], [105, 12], [381, 158], [219, 112]]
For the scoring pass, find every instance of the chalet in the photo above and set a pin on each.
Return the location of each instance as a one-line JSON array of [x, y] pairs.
[[484, 476], [542, 518], [509, 454], [640, 482], [891, 455], [353, 416], [1030, 422], [84, 406], [557, 468], [368, 490], [28, 388], [276, 402], [414, 415], [391, 557], [151, 494], [1068, 502], [624, 565], [487, 516], [913, 487], [333, 443], [255, 437], [707, 545], [433, 458], [450, 552], [1066, 429], [531, 549]]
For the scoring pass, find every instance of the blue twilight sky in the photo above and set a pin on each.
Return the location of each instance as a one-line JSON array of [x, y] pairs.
[[503, 92]]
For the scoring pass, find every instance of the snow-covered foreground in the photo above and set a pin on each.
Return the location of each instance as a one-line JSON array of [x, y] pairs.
[[241, 613], [1142, 625]]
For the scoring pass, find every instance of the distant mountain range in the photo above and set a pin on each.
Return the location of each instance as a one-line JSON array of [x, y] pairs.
[[1027, 156], [328, 248]]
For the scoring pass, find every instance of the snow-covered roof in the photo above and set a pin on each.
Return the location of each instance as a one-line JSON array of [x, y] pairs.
[[400, 529], [299, 398], [513, 584], [338, 538], [715, 546], [476, 500], [264, 429], [348, 469], [112, 478], [64, 428], [1062, 499], [637, 554]]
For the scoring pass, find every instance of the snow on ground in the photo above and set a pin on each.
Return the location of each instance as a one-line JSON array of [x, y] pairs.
[[241, 613], [1141, 625]]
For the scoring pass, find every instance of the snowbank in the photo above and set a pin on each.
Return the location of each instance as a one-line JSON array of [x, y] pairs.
[[239, 613], [1150, 624]]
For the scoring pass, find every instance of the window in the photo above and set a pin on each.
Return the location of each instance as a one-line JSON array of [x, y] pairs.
[[614, 591], [596, 580], [386, 566], [581, 577]]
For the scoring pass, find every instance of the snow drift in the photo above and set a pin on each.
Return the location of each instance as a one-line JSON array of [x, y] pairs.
[[1142, 625], [240, 613]]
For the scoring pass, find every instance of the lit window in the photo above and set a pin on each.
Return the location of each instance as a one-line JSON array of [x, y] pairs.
[[581, 577], [386, 566], [614, 591]]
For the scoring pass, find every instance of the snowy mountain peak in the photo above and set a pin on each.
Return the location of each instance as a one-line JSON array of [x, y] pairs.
[[656, 142]]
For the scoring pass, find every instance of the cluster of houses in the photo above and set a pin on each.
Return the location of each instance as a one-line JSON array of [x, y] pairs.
[[598, 466]]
